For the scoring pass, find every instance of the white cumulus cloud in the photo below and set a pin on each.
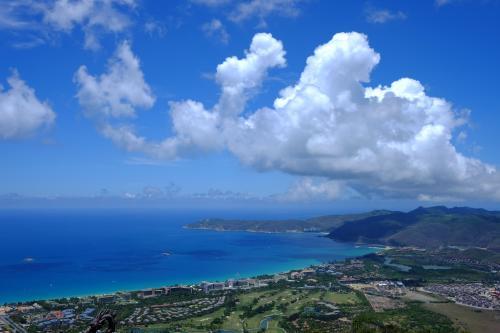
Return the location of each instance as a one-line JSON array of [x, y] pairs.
[[21, 112], [119, 91], [392, 140], [195, 127]]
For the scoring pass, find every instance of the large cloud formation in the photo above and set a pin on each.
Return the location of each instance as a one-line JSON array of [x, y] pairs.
[[196, 128], [392, 140], [21, 112]]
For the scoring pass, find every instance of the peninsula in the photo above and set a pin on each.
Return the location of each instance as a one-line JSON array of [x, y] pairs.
[[430, 227]]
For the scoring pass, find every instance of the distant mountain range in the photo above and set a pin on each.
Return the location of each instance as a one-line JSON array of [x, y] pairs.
[[430, 227]]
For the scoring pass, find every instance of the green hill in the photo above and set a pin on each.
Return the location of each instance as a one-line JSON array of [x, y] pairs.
[[426, 227]]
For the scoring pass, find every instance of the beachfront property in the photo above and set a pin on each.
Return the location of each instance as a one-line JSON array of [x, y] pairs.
[[107, 299], [230, 284], [155, 292]]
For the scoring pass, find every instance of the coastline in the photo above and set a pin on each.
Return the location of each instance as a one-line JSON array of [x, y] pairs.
[[132, 258], [137, 288], [251, 230], [285, 268]]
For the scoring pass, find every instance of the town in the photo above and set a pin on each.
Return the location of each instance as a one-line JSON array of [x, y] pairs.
[[475, 295], [334, 296]]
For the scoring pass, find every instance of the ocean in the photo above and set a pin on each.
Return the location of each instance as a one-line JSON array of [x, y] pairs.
[[47, 254]]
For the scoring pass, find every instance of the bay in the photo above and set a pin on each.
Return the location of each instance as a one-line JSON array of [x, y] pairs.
[[47, 254]]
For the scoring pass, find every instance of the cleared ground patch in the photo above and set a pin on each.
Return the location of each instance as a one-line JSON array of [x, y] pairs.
[[381, 303]]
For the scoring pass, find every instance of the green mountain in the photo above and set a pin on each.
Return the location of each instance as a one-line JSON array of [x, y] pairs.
[[426, 227]]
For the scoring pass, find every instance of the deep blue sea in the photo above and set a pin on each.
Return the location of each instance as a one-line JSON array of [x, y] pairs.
[[58, 253]]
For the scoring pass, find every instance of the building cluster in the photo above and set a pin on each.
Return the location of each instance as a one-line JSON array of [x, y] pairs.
[[385, 288], [349, 271], [170, 311], [120, 297], [330, 269], [305, 273], [208, 287], [155, 292], [245, 284], [60, 315], [44, 320], [477, 295], [65, 317]]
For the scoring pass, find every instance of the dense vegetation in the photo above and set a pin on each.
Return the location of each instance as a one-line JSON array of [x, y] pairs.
[[413, 318], [427, 227]]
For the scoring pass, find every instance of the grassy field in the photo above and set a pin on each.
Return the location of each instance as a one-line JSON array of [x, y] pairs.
[[463, 317], [468, 319], [288, 302], [340, 298], [294, 301]]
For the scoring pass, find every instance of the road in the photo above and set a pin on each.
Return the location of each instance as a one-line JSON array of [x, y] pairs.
[[16, 328]]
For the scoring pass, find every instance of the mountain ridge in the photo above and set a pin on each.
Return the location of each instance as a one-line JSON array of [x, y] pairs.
[[430, 227]]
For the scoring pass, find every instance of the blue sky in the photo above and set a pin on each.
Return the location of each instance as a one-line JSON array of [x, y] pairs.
[[67, 140]]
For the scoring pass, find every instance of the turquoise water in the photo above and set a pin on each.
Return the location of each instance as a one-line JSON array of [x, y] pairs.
[[50, 254]]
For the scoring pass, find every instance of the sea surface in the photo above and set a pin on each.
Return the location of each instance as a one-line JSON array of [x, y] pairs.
[[48, 254]]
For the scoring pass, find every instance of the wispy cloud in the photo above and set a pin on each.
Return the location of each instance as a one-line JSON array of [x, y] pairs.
[[148, 161], [260, 10], [211, 3], [374, 15], [440, 3], [155, 28], [47, 19], [215, 29]]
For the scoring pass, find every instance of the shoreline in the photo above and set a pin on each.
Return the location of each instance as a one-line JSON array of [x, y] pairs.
[[193, 282], [149, 286], [128, 290], [252, 231]]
